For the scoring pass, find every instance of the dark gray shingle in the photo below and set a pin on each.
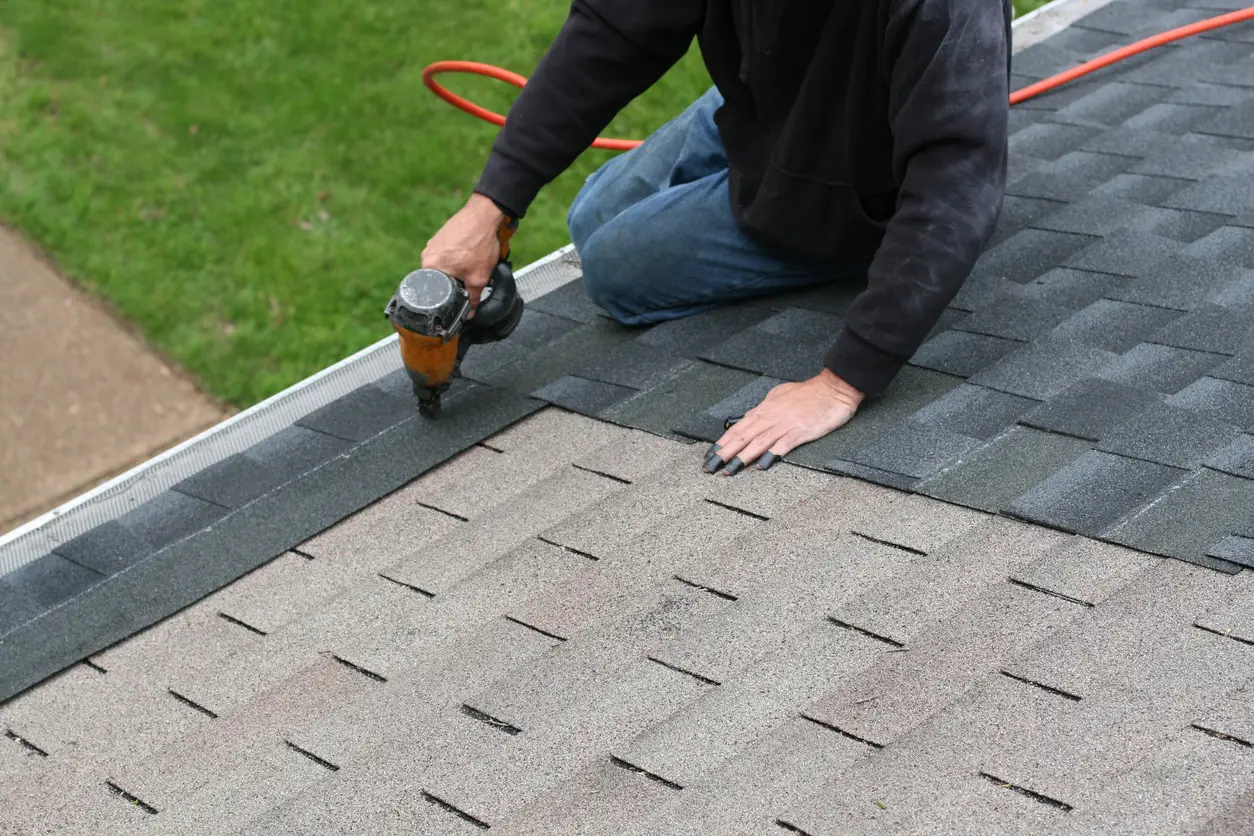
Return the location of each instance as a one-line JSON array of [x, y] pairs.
[[1031, 253], [1043, 369], [1168, 435], [1124, 253], [35, 587], [1222, 399], [106, 549], [1180, 282], [1189, 519], [1093, 492], [1236, 458], [1114, 325], [974, 411], [910, 448], [961, 353], [993, 476], [362, 413], [789, 345], [1090, 408], [1075, 289], [169, 517], [1160, 368], [1014, 316], [1072, 176], [1214, 328], [635, 365], [578, 394]]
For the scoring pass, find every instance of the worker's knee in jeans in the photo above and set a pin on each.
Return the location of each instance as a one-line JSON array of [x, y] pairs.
[[581, 220], [615, 280], [602, 279], [620, 270]]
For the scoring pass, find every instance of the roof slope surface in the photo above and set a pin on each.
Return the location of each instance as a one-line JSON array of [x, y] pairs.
[[563, 626], [597, 638], [1096, 372]]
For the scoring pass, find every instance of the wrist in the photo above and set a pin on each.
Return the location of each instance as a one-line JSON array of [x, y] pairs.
[[485, 207], [840, 387]]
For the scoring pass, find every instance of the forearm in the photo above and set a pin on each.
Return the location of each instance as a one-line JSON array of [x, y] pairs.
[[607, 53], [950, 102]]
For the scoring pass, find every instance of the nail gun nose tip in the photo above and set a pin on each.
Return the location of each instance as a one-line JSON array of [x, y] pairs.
[[429, 408]]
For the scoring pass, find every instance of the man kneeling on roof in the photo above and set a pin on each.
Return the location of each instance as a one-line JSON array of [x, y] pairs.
[[855, 141]]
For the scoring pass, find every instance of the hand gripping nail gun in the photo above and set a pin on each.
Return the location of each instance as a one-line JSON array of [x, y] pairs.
[[429, 312]]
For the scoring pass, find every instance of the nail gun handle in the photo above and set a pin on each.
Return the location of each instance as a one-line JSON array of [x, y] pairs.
[[504, 233], [499, 312]]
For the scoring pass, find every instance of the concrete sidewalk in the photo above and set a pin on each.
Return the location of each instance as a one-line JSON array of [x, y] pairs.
[[81, 398]]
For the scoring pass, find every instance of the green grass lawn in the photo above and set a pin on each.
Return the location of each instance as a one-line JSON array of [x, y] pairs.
[[247, 181]]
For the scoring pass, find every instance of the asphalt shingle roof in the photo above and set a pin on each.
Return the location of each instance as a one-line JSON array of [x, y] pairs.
[[598, 638], [956, 614]]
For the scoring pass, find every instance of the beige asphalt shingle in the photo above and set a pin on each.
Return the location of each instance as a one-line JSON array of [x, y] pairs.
[[915, 636]]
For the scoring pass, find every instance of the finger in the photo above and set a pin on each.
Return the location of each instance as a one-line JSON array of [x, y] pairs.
[[785, 444], [756, 447], [732, 442], [475, 289], [717, 446], [750, 448]]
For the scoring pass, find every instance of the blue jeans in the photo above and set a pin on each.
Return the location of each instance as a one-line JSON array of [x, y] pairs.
[[654, 230]]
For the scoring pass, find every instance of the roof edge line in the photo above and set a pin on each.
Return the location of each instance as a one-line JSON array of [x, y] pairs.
[[245, 415], [1049, 19]]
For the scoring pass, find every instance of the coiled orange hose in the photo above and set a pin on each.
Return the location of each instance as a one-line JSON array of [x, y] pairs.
[[431, 71]]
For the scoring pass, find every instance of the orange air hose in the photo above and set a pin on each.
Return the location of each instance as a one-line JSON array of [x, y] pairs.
[[431, 71]]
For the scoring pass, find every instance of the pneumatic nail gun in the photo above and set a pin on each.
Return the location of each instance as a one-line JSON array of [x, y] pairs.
[[429, 312]]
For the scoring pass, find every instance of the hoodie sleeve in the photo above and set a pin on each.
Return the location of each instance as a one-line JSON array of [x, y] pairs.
[[947, 63], [607, 53]]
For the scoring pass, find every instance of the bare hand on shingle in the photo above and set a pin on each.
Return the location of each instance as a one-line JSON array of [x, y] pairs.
[[790, 415]]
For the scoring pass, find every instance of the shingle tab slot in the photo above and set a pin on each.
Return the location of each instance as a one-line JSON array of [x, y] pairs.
[[324, 763], [1218, 735], [867, 633], [792, 828], [461, 814], [574, 551], [1047, 688], [684, 671], [89, 663], [842, 732], [631, 767], [508, 728], [888, 543], [535, 629], [442, 511], [126, 796], [1215, 632], [24, 743], [363, 671], [192, 704], [1044, 591], [602, 474], [1035, 796], [425, 593], [726, 596], [243, 624], [740, 511]]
